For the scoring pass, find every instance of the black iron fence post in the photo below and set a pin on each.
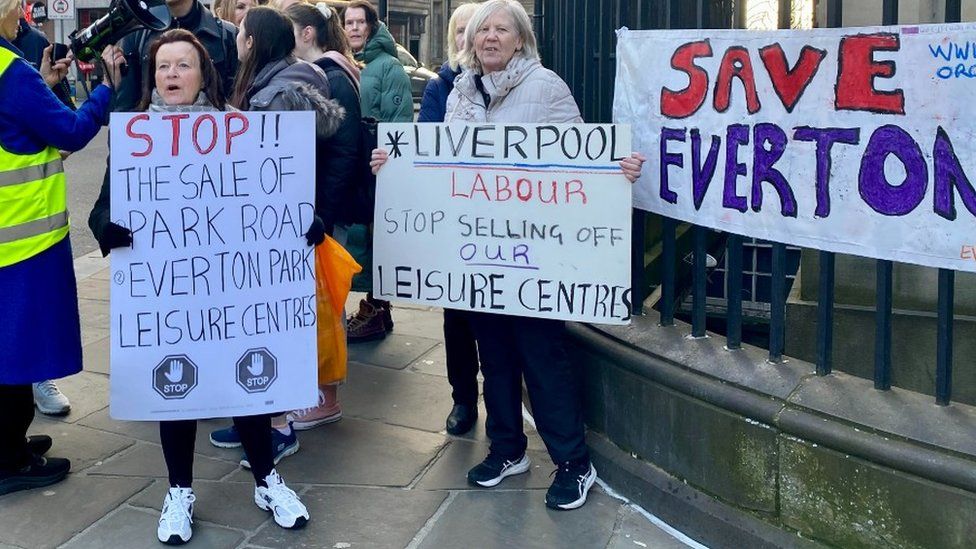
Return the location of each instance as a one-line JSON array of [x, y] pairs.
[[943, 363], [668, 253], [733, 292]]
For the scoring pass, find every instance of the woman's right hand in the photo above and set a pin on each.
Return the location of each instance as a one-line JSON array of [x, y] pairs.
[[113, 58], [378, 159], [115, 236]]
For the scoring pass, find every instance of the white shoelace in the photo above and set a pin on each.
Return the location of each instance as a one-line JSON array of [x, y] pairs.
[[48, 388], [177, 506], [278, 489]]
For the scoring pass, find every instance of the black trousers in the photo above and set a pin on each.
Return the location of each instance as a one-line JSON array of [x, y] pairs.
[[513, 347], [16, 415], [462, 357], [179, 438]]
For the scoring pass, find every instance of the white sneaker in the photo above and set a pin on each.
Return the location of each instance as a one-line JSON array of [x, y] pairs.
[[283, 502], [50, 400], [174, 523]]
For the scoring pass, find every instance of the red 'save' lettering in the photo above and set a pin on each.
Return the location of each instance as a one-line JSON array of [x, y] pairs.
[[686, 102], [736, 64], [788, 83], [858, 69]]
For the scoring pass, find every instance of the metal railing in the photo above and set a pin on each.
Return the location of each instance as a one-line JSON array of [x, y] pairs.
[[569, 27]]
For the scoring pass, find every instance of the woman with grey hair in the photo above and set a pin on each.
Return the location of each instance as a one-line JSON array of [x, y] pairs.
[[40, 331], [504, 82]]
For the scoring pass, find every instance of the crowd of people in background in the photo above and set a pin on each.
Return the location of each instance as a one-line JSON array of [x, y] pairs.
[[290, 55]]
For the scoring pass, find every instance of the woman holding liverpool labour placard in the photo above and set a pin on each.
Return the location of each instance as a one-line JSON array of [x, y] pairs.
[[504, 82]]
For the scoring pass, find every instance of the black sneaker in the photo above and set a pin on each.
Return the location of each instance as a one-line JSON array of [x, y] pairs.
[[38, 444], [572, 483], [41, 472], [494, 468]]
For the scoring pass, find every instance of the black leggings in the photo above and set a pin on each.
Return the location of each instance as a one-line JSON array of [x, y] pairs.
[[179, 437], [16, 415]]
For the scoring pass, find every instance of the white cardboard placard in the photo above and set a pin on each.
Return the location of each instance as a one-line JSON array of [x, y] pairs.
[[213, 308]]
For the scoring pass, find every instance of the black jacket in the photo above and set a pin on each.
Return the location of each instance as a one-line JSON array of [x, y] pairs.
[[338, 166], [293, 85], [220, 40], [31, 42], [217, 36]]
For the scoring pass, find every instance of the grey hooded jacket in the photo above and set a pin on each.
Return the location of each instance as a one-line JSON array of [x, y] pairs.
[[291, 84]]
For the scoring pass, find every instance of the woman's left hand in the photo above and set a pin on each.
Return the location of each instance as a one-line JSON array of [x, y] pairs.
[[378, 159], [631, 166], [54, 72]]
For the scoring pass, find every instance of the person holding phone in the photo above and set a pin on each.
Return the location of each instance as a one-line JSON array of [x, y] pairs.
[[35, 46], [40, 329]]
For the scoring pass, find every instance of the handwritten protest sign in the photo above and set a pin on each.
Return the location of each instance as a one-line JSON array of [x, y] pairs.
[[213, 307], [858, 141], [526, 220]]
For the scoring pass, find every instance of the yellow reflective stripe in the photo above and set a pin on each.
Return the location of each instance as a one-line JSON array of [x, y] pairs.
[[34, 228], [34, 200], [31, 173], [20, 250], [6, 58]]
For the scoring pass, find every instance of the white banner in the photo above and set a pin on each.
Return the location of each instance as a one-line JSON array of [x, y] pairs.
[[525, 220], [213, 307], [858, 141]]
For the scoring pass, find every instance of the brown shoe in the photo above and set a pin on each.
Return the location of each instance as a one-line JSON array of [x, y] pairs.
[[367, 324], [387, 308]]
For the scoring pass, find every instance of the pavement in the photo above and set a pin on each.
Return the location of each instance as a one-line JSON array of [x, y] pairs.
[[386, 475]]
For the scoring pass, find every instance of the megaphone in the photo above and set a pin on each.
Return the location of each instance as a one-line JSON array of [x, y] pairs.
[[123, 17]]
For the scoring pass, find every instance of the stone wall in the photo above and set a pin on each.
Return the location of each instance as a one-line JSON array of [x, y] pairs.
[[738, 452]]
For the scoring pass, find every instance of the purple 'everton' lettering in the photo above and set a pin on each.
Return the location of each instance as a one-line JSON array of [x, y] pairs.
[[735, 136], [949, 176], [876, 191], [670, 159], [763, 171], [825, 139], [701, 175]]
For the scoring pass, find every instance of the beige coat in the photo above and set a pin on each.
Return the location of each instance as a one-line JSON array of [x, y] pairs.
[[524, 92]]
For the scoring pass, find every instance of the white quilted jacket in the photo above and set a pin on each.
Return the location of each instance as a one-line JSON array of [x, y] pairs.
[[525, 92]]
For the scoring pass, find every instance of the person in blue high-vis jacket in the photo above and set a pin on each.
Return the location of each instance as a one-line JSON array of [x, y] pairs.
[[40, 333]]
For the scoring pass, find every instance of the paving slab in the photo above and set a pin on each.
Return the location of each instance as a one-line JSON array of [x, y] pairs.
[[487, 520], [95, 320], [148, 431], [146, 460], [96, 290], [450, 470], [88, 265], [358, 452], [398, 398], [394, 351], [423, 322], [28, 518], [637, 532], [226, 503], [136, 529], [88, 393], [96, 356], [103, 274], [433, 363], [357, 517], [83, 446]]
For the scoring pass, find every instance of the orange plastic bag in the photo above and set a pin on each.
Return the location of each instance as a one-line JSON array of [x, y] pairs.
[[334, 269]]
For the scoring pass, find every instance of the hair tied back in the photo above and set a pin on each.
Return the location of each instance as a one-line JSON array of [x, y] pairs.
[[324, 9]]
